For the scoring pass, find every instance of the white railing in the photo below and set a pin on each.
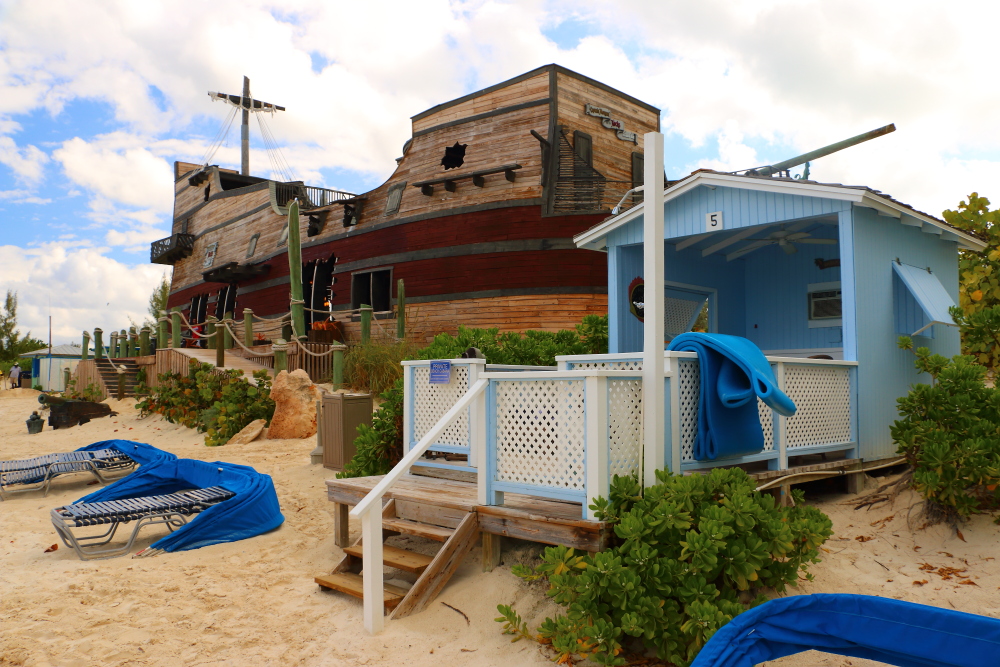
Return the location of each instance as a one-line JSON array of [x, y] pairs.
[[425, 403], [369, 511]]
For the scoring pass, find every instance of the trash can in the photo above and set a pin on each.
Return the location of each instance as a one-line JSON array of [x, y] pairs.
[[337, 426]]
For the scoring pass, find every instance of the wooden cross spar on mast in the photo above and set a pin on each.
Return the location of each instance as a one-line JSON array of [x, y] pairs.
[[247, 104]]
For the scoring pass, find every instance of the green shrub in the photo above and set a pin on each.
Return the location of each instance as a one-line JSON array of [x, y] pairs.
[[380, 446], [91, 393], [534, 348], [691, 553], [949, 434], [217, 403], [374, 366]]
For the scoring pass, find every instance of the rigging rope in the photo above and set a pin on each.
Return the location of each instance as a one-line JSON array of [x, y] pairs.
[[220, 136]]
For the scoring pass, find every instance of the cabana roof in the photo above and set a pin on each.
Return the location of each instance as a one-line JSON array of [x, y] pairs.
[[861, 195]]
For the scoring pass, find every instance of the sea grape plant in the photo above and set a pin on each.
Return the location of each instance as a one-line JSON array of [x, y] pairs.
[[690, 553]]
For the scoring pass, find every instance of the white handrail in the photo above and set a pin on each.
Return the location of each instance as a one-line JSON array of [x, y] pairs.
[[369, 510]]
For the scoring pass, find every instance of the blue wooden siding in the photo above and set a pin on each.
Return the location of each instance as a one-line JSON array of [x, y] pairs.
[[908, 315], [776, 302], [885, 372], [688, 267], [685, 215]]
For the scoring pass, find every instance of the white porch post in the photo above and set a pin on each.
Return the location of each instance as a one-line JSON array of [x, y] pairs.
[[653, 392]]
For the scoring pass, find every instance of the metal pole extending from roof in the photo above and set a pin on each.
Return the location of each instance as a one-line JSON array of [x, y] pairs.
[[822, 152]]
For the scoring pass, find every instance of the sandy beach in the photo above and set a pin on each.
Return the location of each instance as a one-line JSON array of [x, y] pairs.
[[254, 602]]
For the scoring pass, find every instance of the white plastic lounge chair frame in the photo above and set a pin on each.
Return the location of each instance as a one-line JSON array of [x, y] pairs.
[[172, 510], [41, 470]]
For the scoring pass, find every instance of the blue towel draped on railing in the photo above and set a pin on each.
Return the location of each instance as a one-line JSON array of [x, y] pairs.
[[734, 373], [254, 509], [859, 626]]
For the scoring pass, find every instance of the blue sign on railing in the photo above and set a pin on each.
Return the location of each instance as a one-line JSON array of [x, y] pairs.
[[440, 372]]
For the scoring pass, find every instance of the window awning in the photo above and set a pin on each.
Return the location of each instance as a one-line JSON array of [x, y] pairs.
[[929, 293]]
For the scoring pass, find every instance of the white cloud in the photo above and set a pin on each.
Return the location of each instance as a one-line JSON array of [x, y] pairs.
[[27, 162], [81, 287], [22, 197]]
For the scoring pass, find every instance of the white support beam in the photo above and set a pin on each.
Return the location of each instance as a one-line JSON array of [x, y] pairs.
[[653, 390], [733, 238], [931, 229], [691, 240]]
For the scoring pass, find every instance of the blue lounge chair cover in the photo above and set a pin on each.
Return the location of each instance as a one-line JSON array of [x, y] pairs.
[[139, 452], [734, 373], [254, 509], [859, 626]]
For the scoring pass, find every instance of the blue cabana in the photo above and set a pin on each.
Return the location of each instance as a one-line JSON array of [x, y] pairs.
[[822, 277]]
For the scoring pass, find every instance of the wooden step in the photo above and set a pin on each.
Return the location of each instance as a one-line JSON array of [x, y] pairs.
[[401, 559], [352, 584], [429, 531]]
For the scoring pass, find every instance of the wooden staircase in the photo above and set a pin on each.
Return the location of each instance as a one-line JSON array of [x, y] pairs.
[[109, 375], [433, 571]]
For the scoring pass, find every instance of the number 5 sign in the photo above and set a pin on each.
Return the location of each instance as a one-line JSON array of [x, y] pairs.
[[713, 221]]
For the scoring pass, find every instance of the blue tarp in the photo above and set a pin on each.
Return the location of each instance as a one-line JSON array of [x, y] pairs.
[[139, 452], [734, 372], [860, 626], [254, 509]]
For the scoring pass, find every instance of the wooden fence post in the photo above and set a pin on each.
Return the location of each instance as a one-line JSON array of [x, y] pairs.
[[366, 323], [65, 379], [86, 346], [133, 342], [98, 343], [220, 353], [122, 344], [338, 368], [113, 349], [121, 384], [247, 327], [280, 355], [401, 311], [161, 331], [175, 328], [144, 341], [228, 337], [209, 330]]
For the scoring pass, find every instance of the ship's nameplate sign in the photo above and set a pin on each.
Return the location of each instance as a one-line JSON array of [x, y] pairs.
[[611, 123], [440, 372]]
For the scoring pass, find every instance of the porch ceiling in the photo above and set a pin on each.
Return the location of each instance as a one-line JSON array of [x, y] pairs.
[[736, 243]]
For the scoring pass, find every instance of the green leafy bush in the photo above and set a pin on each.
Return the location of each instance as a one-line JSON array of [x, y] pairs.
[[374, 366], [379, 446], [219, 403], [692, 552], [950, 434], [90, 393], [534, 348]]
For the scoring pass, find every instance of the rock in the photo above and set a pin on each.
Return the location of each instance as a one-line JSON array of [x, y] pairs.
[[294, 397], [249, 433]]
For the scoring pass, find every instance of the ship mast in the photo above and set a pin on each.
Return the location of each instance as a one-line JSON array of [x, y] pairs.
[[247, 105]]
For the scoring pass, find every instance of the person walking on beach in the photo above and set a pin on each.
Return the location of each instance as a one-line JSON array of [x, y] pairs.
[[15, 376]]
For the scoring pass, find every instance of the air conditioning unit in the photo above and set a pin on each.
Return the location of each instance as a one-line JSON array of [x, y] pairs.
[[825, 305]]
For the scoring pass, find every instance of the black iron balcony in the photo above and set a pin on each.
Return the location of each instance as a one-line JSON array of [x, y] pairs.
[[171, 249]]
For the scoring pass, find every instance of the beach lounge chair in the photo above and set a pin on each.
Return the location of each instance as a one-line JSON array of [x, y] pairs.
[[37, 473], [172, 510]]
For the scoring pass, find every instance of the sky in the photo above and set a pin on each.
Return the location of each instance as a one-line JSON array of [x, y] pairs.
[[98, 99]]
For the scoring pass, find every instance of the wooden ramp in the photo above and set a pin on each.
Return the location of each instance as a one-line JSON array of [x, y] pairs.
[[232, 361], [447, 511]]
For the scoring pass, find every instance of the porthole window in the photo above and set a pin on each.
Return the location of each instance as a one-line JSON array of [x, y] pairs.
[[252, 246]]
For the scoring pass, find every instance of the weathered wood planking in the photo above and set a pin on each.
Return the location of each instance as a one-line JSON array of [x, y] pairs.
[[86, 374], [534, 88]]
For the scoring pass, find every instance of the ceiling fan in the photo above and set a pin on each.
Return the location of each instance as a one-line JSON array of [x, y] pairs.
[[783, 238]]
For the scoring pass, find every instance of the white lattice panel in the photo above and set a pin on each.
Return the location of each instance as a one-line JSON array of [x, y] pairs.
[[766, 425], [822, 396], [624, 427], [621, 365], [688, 385], [540, 433], [431, 401]]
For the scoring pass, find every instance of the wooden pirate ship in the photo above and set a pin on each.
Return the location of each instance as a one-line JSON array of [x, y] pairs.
[[477, 218]]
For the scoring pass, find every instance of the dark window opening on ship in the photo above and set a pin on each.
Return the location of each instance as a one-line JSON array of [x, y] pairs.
[[454, 156], [226, 302], [199, 308], [208, 191], [235, 181], [372, 288], [317, 288]]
